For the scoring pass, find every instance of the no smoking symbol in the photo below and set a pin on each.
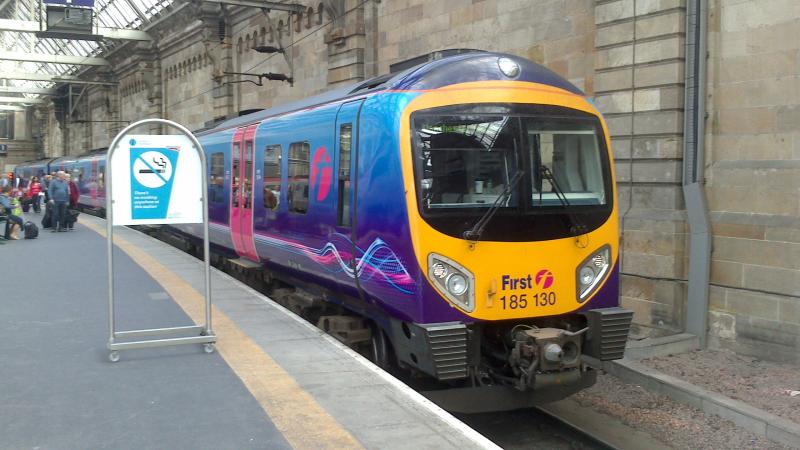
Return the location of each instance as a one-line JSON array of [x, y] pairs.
[[152, 169]]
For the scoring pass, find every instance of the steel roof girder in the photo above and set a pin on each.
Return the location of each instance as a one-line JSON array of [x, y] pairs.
[[54, 59], [52, 78], [30, 26], [32, 101], [290, 7], [27, 90]]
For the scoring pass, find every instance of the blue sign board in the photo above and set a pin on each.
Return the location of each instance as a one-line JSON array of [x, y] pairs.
[[152, 171]]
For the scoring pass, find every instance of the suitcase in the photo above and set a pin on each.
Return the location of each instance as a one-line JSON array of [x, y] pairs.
[[31, 230], [26, 206], [47, 220]]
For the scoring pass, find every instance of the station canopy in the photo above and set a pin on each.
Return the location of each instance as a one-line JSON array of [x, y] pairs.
[[24, 51]]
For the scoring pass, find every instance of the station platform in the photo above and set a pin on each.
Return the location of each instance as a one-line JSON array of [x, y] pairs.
[[274, 382]]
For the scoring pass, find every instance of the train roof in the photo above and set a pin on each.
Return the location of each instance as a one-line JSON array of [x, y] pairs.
[[461, 68]]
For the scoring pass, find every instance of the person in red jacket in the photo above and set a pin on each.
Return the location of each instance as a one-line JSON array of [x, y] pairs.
[[73, 192], [33, 192]]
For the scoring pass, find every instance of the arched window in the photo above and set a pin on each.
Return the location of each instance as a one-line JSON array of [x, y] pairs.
[[309, 15]]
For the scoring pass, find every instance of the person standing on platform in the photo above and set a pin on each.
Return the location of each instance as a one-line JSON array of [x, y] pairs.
[[4, 182], [59, 193], [46, 184], [34, 188], [74, 195]]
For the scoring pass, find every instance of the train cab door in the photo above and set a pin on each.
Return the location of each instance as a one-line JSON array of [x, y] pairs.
[[347, 156], [242, 167]]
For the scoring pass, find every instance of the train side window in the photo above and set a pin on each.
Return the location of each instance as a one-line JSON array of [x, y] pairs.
[[298, 177], [345, 146], [216, 181], [272, 177]]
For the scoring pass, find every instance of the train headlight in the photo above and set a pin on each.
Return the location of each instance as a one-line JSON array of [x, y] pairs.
[[508, 66], [457, 284], [592, 271], [453, 280]]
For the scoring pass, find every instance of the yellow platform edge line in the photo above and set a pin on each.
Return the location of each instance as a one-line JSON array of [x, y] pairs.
[[302, 421]]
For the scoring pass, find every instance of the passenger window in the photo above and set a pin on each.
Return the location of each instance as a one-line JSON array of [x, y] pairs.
[[272, 177], [298, 177], [216, 181], [345, 146]]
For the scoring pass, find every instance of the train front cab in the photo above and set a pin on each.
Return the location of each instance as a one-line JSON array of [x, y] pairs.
[[536, 274]]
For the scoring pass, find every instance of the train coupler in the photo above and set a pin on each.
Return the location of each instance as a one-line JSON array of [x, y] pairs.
[[542, 351]]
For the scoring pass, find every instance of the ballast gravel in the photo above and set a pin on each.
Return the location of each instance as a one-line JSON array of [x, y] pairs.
[[775, 388], [676, 425]]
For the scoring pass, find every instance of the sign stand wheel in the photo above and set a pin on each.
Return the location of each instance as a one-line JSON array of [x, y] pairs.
[[113, 356]]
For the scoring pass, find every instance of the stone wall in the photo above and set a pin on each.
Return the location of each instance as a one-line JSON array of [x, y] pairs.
[[627, 54], [753, 173], [558, 34], [23, 147], [639, 65]]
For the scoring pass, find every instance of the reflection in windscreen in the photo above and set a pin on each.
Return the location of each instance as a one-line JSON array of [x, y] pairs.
[[467, 161]]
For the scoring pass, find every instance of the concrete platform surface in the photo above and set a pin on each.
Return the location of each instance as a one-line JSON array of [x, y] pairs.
[[275, 381]]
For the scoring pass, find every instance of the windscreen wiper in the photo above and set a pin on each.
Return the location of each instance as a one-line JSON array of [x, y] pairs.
[[576, 226], [474, 233]]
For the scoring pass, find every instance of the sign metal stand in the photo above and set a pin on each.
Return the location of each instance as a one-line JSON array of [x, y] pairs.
[[161, 336]]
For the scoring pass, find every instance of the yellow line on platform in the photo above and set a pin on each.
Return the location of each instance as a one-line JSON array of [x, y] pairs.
[[303, 422]]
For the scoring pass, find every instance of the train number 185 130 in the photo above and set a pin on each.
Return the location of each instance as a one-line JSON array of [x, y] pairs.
[[521, 301]]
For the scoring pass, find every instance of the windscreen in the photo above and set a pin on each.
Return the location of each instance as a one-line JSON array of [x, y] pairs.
[[520, 161]]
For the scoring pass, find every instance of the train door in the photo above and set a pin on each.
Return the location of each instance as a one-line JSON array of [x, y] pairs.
[[242, 192], [347, 184]]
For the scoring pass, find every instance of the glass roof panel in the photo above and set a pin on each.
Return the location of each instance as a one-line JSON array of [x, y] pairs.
[[129, 14]]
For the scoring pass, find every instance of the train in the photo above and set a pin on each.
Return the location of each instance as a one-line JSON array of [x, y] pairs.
[[456, 220]]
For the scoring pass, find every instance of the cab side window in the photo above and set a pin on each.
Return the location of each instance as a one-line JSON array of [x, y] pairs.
[[345, 140]]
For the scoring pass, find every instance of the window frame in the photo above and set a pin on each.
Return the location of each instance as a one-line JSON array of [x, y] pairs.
[[294, 180], [344, 183], [279, 183], [213, 162]]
